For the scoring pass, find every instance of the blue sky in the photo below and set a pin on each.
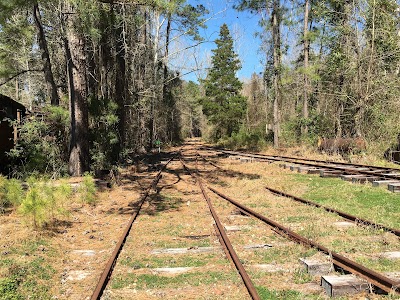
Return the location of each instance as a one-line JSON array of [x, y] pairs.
[[242, 26]]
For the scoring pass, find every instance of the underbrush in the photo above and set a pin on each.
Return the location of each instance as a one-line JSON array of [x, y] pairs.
[[251, 140], [42, 202]]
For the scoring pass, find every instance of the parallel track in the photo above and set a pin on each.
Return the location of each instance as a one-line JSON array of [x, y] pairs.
[[346, 168], [386, 284]]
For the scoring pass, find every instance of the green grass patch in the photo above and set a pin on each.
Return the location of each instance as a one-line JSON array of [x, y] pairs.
[[172, 261], [284, 295], [150, 281], [375, 204], [28, 280], [381, 264]]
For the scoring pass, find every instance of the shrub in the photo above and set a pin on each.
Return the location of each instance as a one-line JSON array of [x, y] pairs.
[[87, 190], [42, 144], [34, 205], [11, 193], [44, 202]]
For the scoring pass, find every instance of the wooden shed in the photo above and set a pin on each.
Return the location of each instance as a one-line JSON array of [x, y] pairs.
[[9, 110]]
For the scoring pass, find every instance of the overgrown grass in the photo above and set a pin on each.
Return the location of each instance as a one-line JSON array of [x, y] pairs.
[[198, 260], [375, 204], [150, 281]]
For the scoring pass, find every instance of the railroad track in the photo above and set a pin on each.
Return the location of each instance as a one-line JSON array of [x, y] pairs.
[[106, 274], [348, 171], [356, 219], [382, 282], [375, 278]]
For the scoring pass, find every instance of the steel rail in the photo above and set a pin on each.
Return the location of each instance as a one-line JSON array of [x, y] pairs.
[[312, 160], [224, 237], [355, 219], [347, 216], [293, 160], [386, 284], [105, 276]]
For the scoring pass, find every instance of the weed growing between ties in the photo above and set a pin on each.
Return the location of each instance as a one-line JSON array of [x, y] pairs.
[[150, 281], [265, 293]]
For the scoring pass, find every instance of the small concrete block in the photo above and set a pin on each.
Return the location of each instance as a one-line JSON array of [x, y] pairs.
[[172, 271], [186, 250], [304, 169], [246, 159], [258, 246], [237, 227], [314, 171], [364, 179], [344, 224], [77, 275], [384, 183], [84, 252], [391, 255], [394, 187], [392, 174], [335, 285], [350, 177], [362, 169], [328, 174], [316, 267], [294, 168]]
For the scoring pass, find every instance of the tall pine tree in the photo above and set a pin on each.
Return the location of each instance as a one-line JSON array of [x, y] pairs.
[[223, 104]]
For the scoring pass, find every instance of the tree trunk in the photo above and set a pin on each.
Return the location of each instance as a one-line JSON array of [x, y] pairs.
[[48, 73], [306, 81], [120, 80], [277, 64], [79, 146]]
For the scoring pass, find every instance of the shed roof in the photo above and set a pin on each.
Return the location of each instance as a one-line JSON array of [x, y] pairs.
[[7, 101]]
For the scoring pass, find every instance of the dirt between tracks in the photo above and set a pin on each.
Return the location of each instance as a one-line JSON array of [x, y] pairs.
[[176, 217]]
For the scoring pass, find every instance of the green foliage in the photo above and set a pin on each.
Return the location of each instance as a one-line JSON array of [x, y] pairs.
[[103, 132], [253, 140], [31, 280], [223, 104], [16, 39], [11, 193], [42, 144], [35, 205], [9, 289], [87, 189], [44, 202]]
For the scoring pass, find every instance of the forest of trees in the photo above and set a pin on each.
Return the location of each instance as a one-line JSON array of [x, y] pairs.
[[99, 72]]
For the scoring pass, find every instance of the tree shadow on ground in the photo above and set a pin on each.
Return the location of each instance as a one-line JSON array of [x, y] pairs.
[[161, 203]]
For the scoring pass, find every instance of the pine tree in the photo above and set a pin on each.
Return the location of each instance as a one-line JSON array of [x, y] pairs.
[[223, 104]]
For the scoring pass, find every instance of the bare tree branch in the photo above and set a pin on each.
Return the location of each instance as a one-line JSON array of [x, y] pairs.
[[18, 74]]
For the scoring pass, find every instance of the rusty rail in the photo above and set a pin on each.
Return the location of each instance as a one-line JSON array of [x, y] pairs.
[[224, 238], [340, 213], [322, 164], [386, 284], [105, 276], [281, 157]]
